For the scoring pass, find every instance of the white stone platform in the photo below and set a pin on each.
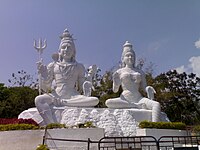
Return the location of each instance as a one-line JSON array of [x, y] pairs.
[[30, 139], [157, 133], [116, 122]]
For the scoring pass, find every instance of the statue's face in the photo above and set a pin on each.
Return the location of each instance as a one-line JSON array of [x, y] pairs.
[[129, 58], [67, 51]]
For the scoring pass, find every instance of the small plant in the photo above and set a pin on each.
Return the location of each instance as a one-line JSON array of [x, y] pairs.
[[9, 127], [89, 124], [29, 124], [17, 121], [163, 125], [27, 121], [196, 130], [55, 125], [42, 147], [80, 125]]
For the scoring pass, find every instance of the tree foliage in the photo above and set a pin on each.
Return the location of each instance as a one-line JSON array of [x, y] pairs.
[[15, 100], [103, 90], [179, 95], [19, 96]]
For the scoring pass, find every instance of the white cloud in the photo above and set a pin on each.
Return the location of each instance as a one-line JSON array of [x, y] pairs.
[[197, 44], [181, 69], [156, 45], [193, 66]]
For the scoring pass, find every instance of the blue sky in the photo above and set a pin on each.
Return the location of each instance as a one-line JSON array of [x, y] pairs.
[[162, 31]]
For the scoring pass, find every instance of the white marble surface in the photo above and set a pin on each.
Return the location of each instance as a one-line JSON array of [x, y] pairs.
[[30, 139], [116, 122], [157, 133]]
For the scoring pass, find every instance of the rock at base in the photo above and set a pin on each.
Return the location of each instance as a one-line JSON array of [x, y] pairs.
[[116, 122]]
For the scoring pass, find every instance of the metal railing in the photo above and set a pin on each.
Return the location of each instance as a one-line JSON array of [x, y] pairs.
[[85, 143], [132, 143], [52, 141], [179, 142], [122, 143]]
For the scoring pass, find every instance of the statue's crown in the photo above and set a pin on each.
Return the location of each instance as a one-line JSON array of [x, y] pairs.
[[127, 44], [66, 34]]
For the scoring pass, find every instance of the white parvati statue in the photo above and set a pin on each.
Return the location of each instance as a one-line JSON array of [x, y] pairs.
[[132, 79], [69, 78]]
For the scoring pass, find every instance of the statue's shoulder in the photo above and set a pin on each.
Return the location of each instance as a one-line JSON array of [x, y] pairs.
[[51, 65], [80, 66], [117, 73]]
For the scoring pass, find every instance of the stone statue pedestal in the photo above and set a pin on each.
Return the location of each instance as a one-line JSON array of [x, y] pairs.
[[116, 122]]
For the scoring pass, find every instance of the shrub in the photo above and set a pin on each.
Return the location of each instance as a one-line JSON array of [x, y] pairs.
[[17, 121], [8, 120], [42, 147], [30, 124], [196, 129], [27, 121], [55, 125], [88, 124], [163, 125], [9, 127]]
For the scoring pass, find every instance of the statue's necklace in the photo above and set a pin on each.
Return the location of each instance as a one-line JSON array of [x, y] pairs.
[[66, 70]]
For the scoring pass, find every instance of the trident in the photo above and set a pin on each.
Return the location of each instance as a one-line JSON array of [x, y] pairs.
[[40, 48]]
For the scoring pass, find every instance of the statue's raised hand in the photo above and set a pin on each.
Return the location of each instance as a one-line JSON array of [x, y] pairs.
[[42, 69]]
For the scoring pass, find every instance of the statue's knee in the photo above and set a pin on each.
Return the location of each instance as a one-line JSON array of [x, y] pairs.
[[156, 105], [38, 100], [96, 101], [41, 99], [107, 102]]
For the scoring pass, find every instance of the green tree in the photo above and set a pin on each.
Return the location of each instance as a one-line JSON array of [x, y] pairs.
[[179, 95], [4, 94], [103, 89], [17, 99]]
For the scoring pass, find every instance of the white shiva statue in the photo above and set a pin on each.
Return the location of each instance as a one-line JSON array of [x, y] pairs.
[[132, 79], [68, 76]]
